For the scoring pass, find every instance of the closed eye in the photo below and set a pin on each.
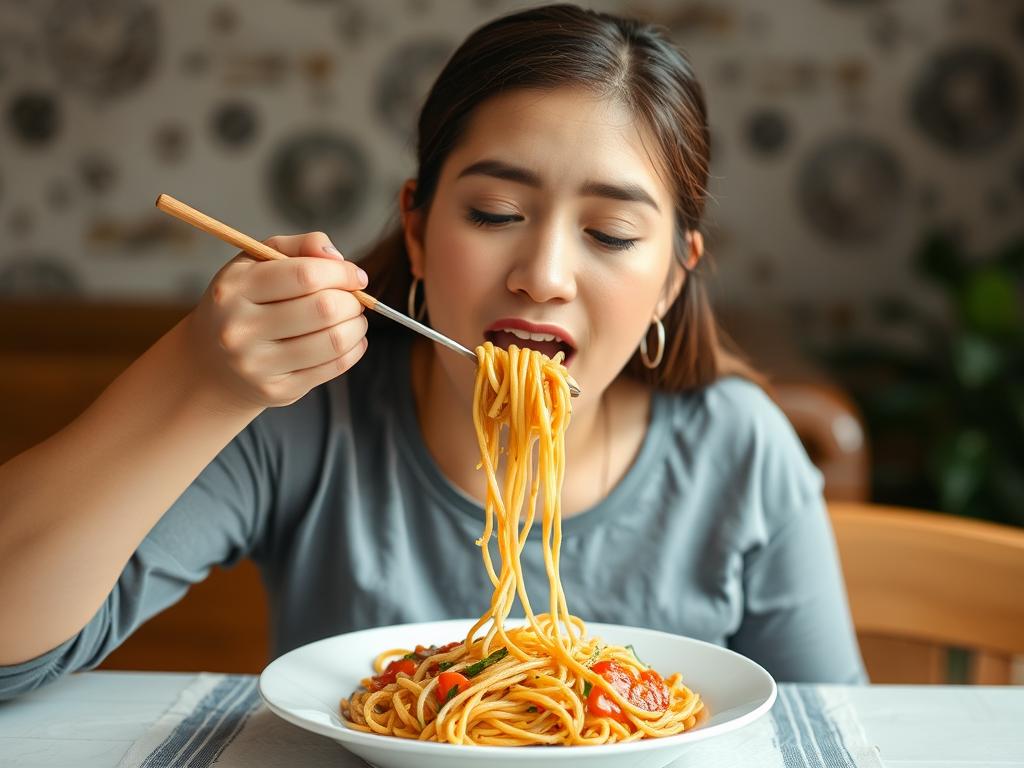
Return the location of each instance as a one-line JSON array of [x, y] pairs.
[[485, 219], [615, 243]]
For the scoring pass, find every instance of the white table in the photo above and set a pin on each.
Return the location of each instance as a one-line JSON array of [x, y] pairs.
[[90, 720]]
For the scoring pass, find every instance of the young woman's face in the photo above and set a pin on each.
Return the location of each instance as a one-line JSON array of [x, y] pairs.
[[549, 221]]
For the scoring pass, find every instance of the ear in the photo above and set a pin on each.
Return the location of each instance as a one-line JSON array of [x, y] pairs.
[[695, 241], [677, 275], [413, 225]]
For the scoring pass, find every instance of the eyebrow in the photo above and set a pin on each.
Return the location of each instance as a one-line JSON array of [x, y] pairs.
[[630, 193]]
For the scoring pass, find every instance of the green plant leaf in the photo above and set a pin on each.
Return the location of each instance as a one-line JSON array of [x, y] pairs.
[[989, 302]]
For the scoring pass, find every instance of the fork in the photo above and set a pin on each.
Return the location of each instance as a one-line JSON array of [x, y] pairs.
[[258, 250]]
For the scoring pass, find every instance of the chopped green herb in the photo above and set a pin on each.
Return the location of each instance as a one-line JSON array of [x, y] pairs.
[[531, 709], [475, 669], [412, 657], [445, 665], [452, 692], [586, 688]]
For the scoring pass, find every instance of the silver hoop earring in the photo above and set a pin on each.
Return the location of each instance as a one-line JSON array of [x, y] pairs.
[[411, 301], [659, 327]]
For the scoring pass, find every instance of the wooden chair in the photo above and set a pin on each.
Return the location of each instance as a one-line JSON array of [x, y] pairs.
[[922, 583], [830, 427]]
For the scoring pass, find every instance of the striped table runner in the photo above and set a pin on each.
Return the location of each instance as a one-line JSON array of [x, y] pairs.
[[220, 722]]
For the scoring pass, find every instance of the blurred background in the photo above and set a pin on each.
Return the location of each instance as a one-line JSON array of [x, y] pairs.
[[866, 220], [867, 190]]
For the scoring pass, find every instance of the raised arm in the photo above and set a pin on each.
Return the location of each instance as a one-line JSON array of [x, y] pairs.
[[75, 507]]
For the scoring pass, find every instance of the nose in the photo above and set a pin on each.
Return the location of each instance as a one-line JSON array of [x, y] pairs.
[[546, 269]]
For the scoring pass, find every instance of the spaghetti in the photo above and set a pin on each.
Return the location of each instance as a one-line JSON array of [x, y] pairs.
[[544, 682]]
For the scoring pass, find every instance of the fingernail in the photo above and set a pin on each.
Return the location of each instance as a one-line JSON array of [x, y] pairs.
[[330, 250], [362, 277]]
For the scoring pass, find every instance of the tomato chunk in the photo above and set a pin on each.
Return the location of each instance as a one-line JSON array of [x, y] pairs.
[[449, 681], [600, 704], [619, 676], [390, 673], [650, 692], [647, 692]]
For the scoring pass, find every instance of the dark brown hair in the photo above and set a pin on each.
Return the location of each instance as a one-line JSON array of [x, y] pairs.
[[559, 46]]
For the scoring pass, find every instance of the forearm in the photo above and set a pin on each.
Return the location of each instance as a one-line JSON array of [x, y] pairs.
[[77, 506]]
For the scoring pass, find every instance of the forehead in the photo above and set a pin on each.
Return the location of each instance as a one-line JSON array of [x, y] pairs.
[[566, 136]]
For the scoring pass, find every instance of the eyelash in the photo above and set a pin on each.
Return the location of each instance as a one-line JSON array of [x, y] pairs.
[[483, 219]]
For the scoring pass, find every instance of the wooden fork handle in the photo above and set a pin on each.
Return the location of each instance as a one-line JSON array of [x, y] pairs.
[[232, 236]]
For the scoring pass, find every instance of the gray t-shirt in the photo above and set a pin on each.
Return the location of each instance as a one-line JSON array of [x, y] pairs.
[[717, 531]]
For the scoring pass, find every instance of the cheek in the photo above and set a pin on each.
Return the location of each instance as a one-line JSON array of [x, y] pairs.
[[624, 301], [461, 271]]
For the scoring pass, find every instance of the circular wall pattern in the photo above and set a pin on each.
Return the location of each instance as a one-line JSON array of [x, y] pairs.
[[405, 80], [966, 99], [851, 188], [319, 180], [103, 47], [767, 131], [234, 124], [34, 117]]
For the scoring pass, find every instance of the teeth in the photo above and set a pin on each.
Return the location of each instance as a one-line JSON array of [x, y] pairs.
[[527, 336]]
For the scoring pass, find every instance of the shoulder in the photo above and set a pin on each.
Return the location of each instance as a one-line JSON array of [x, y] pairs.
[[731, 410], [738, 434]]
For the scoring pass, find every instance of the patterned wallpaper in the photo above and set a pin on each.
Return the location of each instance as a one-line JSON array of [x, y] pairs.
[[842, 130]]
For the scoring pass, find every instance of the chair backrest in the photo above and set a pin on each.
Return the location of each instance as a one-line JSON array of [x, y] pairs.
[[921, 583], [831, 430]]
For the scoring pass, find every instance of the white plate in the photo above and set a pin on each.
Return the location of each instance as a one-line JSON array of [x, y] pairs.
[[305, 685]]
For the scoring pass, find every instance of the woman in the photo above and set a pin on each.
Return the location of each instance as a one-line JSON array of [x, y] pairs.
[[563, 159]]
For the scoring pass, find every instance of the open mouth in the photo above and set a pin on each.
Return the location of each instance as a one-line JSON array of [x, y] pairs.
[[546, 341]]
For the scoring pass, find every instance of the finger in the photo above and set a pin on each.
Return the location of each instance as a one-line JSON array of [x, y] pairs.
[[307, 244], [306, 379], [303, 315], [315, 349], [272, 281]]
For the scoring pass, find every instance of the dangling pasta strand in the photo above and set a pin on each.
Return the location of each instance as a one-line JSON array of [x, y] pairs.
[[524, 684]]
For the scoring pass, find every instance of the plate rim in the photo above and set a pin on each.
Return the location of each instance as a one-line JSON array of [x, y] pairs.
[[345, 735]]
